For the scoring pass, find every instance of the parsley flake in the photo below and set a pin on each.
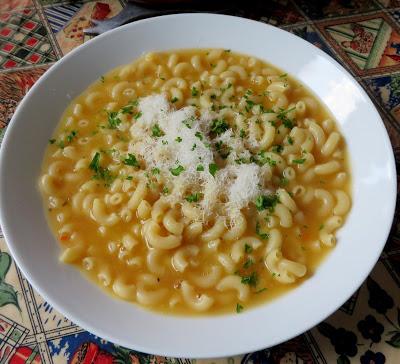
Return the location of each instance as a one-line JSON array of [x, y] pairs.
[[200, 168], [277, 149], [195, 91], [177, 170], [212, 168], [266, 202], [156, 131], [262, 235], [199, 135], [250, 280], [194, 197], [113, 120], [239, 308], [299, 161], [131, 160], [218, 126], [248, 248], [137, 115]]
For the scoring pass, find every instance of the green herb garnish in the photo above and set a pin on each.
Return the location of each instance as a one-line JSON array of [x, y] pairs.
[[218, 126], [194, 197], [156, 131], [266, 202], [212, 168], [131, 160], [250, 280], [195, 91], [177, 170], [262, 235], [113, 120]]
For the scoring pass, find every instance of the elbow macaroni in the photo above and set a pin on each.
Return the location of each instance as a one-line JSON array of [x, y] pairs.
[[134, 231]]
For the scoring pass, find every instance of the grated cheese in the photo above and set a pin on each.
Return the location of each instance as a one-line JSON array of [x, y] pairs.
[[185, 144]]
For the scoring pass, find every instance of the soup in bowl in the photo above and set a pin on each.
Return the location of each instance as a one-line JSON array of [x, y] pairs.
[[199, 176]]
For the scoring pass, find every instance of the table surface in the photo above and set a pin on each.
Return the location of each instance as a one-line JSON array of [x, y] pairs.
[[363, 35]]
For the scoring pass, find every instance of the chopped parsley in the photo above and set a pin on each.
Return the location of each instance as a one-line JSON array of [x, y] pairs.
[[155, 171], [194, 197], [249, 105], [137, 115], [129, 178], [71, 136], [262, 235], [102, 79], [321, 227], [194, 146], [156, 131], [248, 263], [290, 140], [266, 202], [101, 173], [248, 248], [282, 115], [261, 159], [242, 133], [52, 141], [250, 280], [239, 308], [189, 122], [200, 168], [95, 163], [299, 161], [177, 170], [199, 135], [128, 109], [218, 126], [277, 149], [131, 160], [178, 139], [174, 99], [212, 168], [283, 75], [113, 120], [195, 91], [165, 190]]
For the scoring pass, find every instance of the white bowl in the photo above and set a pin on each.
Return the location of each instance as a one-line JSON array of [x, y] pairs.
[[360, 241]]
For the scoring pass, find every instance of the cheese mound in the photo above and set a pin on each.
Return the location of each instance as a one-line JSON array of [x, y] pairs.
[[179, 146]]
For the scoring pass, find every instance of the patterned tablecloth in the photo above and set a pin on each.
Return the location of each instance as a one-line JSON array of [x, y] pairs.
[[363, 35]]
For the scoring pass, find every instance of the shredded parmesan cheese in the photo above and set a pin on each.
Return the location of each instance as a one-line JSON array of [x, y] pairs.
[[183, 150]]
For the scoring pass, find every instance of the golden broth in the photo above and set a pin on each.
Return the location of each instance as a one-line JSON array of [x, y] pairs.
[[89, 178]]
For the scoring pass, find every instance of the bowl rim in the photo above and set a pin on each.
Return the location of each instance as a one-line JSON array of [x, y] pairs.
[[82, 322]]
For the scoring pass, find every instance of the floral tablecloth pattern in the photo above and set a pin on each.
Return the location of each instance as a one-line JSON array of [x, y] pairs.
[[363, 35]]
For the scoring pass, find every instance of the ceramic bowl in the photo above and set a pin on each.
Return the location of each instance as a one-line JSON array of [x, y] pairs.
[[360, 241]]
